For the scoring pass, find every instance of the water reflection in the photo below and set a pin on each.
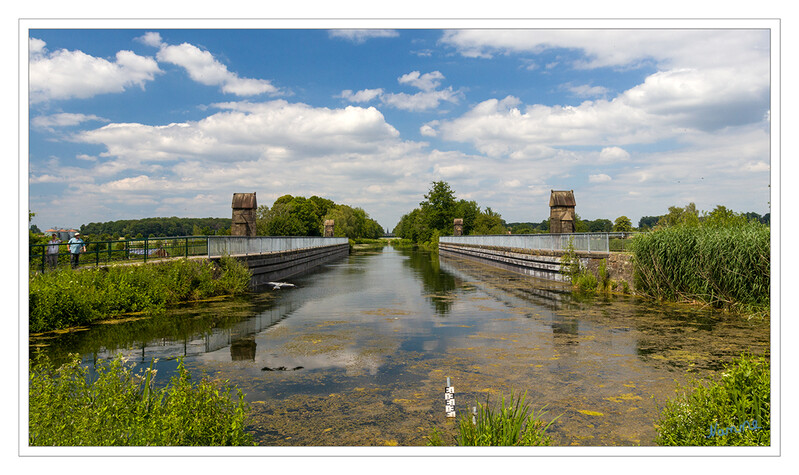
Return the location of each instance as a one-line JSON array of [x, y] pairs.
[[357, 353]]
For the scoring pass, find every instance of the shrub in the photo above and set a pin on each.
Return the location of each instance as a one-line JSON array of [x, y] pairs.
[[118, 407], [735, 410]]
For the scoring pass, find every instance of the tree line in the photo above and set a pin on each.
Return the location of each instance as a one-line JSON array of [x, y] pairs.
[[436, 214], [299, 216], [158, 227]]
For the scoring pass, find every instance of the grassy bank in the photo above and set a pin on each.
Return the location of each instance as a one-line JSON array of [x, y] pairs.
[[723, 266], [734, 410], [67, 297], [118, 407]]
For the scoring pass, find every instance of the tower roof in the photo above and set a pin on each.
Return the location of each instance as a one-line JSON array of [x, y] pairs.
[[562, 198]]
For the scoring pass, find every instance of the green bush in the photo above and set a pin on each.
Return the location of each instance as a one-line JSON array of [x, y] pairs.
[[735, 410], [511, 424], [118, 407], [68, 297]]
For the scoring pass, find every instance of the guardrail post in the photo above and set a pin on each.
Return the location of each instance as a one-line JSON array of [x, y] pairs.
[[145, 249]]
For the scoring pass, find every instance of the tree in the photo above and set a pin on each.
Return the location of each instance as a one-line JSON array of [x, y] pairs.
[[721, 216], [600, 226], [688, 216], [648, 222], [622, 224], [489, 222], [439, 207]]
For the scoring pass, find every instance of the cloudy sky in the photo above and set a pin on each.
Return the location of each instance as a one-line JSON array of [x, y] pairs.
[[134, 123]]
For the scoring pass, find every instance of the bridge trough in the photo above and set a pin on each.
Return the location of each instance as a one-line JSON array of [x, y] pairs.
[[543, 264], [278, 266]]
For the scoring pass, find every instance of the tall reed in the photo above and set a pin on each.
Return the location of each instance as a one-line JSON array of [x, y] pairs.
[[724, 266]]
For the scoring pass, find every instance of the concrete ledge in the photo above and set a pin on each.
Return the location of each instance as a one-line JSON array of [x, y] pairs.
[[281, 265], [535, 265], [541, 263]]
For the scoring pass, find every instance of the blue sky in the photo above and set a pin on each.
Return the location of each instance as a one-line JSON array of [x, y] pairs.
[[134, 123]]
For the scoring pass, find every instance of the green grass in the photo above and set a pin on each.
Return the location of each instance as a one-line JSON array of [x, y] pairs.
[[511, 423], [734, 410], [723, 266], [119, 407], [67, 297]]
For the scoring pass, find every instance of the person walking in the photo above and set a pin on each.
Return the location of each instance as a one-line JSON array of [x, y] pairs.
[[75, 248], [52, 251]]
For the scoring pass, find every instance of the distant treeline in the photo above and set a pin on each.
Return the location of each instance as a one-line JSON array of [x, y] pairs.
[[158, 227], [301, 216]]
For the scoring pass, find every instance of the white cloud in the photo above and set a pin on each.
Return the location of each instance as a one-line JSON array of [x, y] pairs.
[[599, 178], [244, 130], [205, 69], [613, 154], [420, 101], [622, 48], [360, 36], [67, 74], [64, 119], [428, 98], [364, 95], [429, 129], [151, 38], [585, 90], [425, 82]]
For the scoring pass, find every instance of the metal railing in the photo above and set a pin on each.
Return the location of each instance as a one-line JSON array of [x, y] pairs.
[[582, 242], [244, 246], [147, 249]]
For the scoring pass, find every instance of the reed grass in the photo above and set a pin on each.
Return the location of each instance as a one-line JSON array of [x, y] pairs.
[[723, 266], [67, 297], [120, 407]]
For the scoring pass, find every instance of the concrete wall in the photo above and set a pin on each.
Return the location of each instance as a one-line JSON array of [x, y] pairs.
[[278, 266], [541, 264]]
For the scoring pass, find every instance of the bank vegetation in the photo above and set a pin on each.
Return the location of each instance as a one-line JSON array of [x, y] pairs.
[[66, 297]]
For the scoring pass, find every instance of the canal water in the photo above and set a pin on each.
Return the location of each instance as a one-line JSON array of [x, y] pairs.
[[358, 352]]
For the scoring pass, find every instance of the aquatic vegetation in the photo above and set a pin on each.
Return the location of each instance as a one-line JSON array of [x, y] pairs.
[[734, 410], [511, 423], [721, 265], [119, 407], [67, 297]]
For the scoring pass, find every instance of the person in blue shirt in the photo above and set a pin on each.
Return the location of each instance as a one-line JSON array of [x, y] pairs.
[[75, 248]]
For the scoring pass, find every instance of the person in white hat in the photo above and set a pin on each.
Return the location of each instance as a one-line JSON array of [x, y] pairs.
[[75, 248]]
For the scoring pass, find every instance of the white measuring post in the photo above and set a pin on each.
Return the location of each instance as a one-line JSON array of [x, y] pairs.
[[449, 398]]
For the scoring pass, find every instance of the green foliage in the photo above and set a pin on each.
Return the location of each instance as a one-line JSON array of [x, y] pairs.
[[511, 423], [118, 407], [67, 297], [353, 223], [687, 216], [157, 227], [436, 214], [489, 222], [721, 265], [300, 216], [622, 224], [735, 410]]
